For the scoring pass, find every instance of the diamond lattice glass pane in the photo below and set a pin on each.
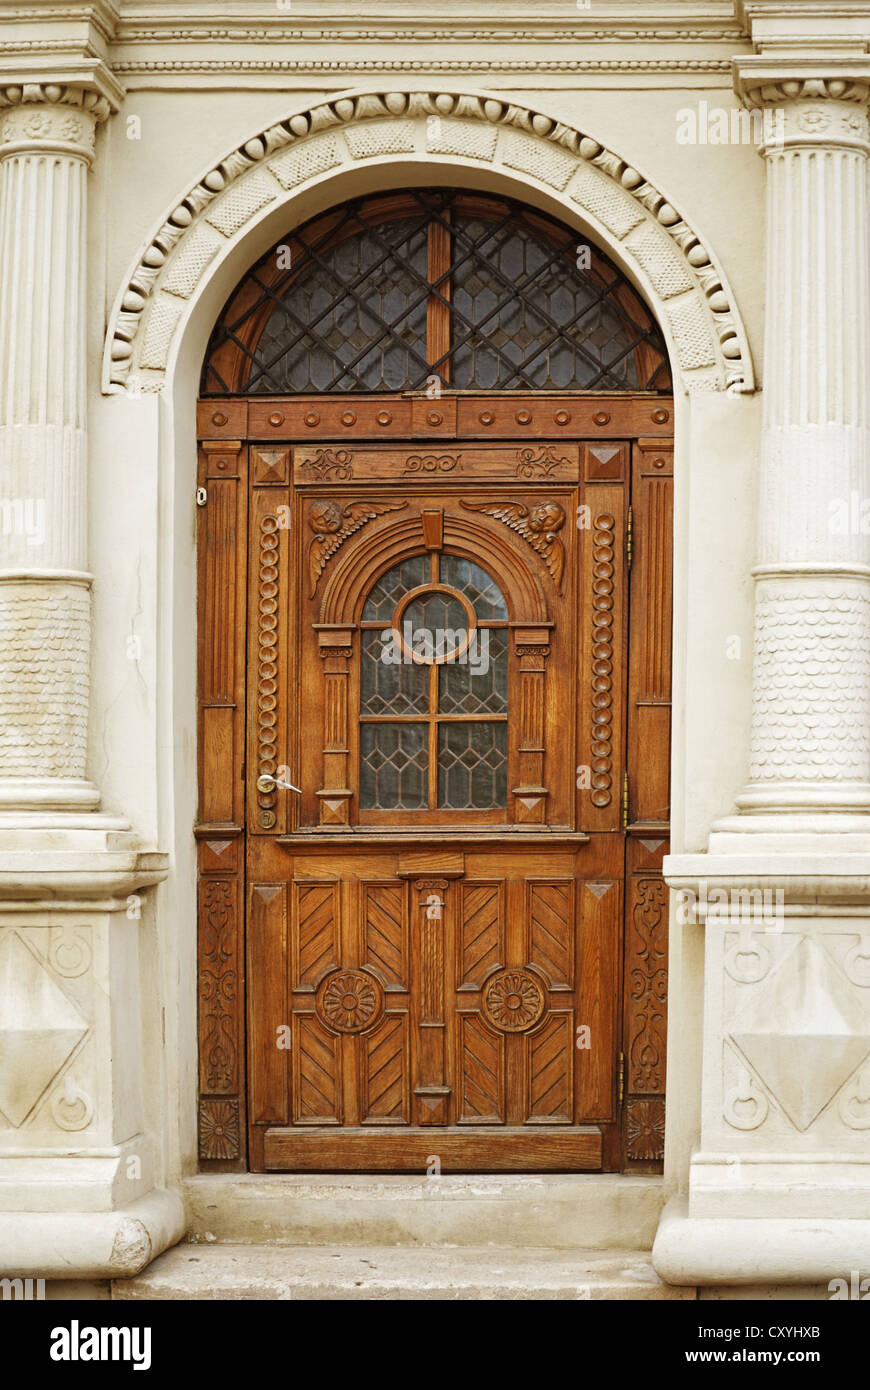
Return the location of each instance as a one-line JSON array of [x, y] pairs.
[[478, 683], [472, 766], [393, 585], [483, 593], [352, 316], [390, 683], [532, 317], [394, 762]]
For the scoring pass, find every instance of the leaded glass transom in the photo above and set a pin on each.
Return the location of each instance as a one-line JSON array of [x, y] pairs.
[[364, 298]]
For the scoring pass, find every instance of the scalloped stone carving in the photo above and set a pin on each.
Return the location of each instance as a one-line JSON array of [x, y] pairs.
[[708, 336]]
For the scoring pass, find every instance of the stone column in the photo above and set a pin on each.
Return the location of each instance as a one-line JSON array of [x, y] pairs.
[[811, 673], [80, 1176], [46, 149], [779, 1187]]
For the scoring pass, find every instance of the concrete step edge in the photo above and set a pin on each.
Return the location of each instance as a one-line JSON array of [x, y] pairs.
[[232, 1271]]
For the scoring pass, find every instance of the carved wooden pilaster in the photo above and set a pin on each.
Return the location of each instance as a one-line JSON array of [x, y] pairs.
[[336, 650], [531, 645], [431, 1094]]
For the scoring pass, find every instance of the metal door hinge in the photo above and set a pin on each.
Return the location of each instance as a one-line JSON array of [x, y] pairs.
[[620, 1084], [201, 496], [625, 802], [629, 538]]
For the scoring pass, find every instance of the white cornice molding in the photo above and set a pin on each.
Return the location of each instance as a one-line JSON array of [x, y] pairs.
[[843, 25], [804, 52], [100, 17], [60, 45], [492, 67]]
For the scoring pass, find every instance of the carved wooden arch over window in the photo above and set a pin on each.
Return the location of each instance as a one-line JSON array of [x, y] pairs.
[[390, 292], [434, 628]]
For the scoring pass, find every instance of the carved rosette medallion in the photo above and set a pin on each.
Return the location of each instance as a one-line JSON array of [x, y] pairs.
[[219, 1129], [513, 1001], [349, 1001]]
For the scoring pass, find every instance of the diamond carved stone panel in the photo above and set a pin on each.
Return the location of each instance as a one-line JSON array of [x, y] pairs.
[[805, 1033], [40, 1027]]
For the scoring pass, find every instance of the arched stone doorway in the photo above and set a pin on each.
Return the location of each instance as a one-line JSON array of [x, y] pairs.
[[455, 929]]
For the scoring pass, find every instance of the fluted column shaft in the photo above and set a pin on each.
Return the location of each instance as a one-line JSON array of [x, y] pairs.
[[46, 148], [811, 672]]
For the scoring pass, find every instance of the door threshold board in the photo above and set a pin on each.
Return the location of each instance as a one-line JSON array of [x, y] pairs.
[[503, 835], [478, 1149]]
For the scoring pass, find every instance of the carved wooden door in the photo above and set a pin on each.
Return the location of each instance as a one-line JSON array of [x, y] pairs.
[[434, 793]]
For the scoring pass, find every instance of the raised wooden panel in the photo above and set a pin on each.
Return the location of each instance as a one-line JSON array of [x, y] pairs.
[[481, 1072], [551, 1070], [385, 932], [315, 944], [317, 1073], [467, 1150], [220, 987], [507, 462], [221, 605], [385, 1085], [269, 1041], [649, 698], [551, 930], [646, 994], [598, 1006], [481, 932], [219, 730]]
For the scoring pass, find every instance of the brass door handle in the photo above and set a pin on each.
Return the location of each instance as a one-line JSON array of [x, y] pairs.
[[266, 782]]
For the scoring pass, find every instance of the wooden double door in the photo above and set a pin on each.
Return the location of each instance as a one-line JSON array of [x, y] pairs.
[[434, 647]]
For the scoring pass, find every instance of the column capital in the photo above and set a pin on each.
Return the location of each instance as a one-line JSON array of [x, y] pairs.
[[98, 99], [760, 80], [53, 51]]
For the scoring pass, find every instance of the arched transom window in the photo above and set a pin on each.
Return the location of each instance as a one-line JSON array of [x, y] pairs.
[[434, 688], [394, 292]]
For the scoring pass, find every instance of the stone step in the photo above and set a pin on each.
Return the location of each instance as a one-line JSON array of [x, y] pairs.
[[553, 1211], [241, 1272]]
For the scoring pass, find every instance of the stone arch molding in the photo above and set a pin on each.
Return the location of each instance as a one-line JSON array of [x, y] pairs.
[[679, 274]]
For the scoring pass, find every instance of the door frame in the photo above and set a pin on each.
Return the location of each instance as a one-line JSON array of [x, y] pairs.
[[228, 430]]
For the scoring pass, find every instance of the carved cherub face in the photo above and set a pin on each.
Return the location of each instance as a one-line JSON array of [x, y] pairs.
[[546, 516], [324, 517]]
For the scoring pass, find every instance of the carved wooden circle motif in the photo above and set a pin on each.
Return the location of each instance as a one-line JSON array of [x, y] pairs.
[[423, 591], [513, 1001], [349, 1001]]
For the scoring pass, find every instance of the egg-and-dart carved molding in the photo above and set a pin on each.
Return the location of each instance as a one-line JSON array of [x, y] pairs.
[[686, 287]]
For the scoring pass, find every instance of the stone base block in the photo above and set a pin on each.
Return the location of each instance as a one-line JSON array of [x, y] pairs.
[[690, 1250], [88, 1244]]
